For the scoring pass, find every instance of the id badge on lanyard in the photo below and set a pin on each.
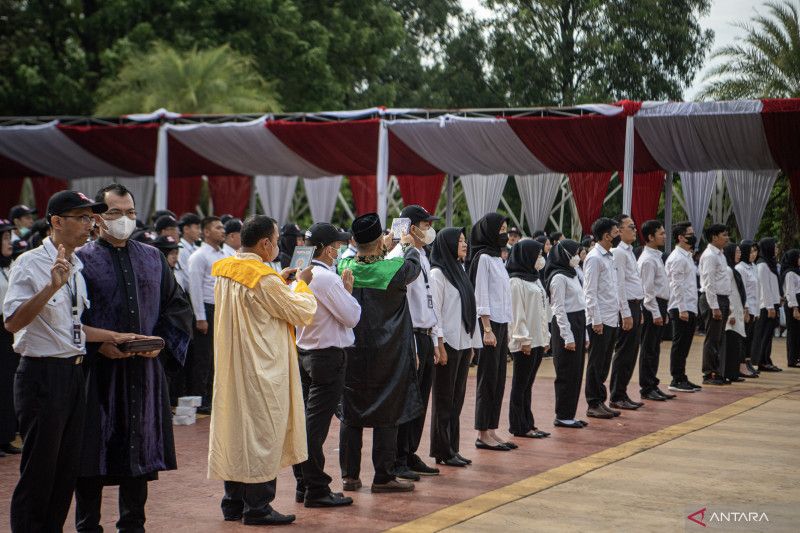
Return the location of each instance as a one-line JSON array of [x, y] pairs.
[[76, 323], [428, 289]]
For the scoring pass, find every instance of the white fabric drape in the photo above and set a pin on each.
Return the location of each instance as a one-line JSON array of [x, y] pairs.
[[322, 194], [461, 146], [749, 191], [382, 172], [47, 150], [627, 185], [276, 193], [697, 188], [483, 193], [142, 189], [538, 193]]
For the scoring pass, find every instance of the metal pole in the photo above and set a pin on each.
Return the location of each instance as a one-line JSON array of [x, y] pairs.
[[252, 207], [668, 211], [449, 210]]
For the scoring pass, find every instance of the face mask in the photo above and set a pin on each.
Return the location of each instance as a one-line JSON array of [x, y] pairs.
[[121, 228], [430, 235], [539, 263], [24, 231], [691, 240], [574, 261], [615, 241], [502, 240], [342, 249]]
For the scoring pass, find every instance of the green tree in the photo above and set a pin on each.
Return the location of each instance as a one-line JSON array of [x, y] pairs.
[[217, 80], [764, 62]]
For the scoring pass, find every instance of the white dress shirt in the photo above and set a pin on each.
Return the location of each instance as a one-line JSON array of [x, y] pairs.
[[531, 312], [492, 289], [447, 307], [5, 272], [769, 292], [603, 303], [182, 268], [201, 282], [50, 333], [419, 293], [791, 286], [628, 279], [654, 279], [737, 308], [749, 275], [566, 296], [714, 275], [351, 251], [229, 251], [682, 278], [337, 314]]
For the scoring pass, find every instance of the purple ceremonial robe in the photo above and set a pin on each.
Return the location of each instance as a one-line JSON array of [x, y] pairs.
[[128, 418]]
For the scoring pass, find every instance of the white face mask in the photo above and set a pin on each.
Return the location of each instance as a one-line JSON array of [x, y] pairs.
[[574, 261], [121, 228], [539, 263], [430, 235]]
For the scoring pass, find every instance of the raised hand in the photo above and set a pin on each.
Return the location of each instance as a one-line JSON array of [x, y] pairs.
[[306, 274], [348, 280], [59, 273]]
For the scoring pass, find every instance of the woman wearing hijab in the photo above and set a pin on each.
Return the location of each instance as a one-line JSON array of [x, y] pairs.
[[739, 316], [493, 301], [746, 268], [790, 281], [458, 334], [769, 301], [8, 358], [291, 237], [529, 337], [568, 330], [544, 240]]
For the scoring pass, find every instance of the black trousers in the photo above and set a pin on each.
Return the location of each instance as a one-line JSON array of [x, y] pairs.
[[322, 375], [763, 332], [410, 433], [650, 350], [714, 343], [8, 368], [89, 498], [491, 380], [568, 365], [50, 401], [520, 412], [248, 499], [202, 368], [792, 336], [747, 344], [624, 360], [682, 337], [601, 350], [449, 389], [384, 443], [729, 362]]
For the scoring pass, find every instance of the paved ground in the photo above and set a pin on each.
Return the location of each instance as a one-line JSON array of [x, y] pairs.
[[706, 448]]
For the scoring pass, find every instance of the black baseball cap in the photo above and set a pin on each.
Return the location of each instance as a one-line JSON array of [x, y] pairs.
[[6, 225], [515, 230], [417, 214], [64, 201], [20, 211], [323, 234], [163, 212], [165, 242], [165, 222], [233, 225]]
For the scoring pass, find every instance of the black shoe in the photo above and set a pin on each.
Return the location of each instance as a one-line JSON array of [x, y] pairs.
[[510, 445], [666, 395], [453, 461], [654, 396], [496, 447], [683, 386], [462, 458], [638, 404], [584, 423], [332, 499], [206, 410], [750, 367], [574, 425], [625, 405], [10, 449], [418, 467], [232, 517], [299, 496], [404, 472], [598, 412], [697, 388], [351, 484], [768, 368], [737, 379], [273, 519], [711, 379]]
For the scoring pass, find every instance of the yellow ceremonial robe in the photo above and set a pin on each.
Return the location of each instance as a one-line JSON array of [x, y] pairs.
[[258, 418]]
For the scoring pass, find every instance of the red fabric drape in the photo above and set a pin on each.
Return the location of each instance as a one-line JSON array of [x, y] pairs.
[[131, 147], [10, 168], [230, 194], [589, 190], [647, 187], [43, 188], [365, 194], [794, 189], [781, 120], [183, 194], [421, 190], [12, 187]]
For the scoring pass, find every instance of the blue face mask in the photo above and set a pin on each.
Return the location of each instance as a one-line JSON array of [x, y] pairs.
[[24, 231]]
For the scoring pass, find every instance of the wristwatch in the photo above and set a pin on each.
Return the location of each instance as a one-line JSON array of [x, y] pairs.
[[487, 329]]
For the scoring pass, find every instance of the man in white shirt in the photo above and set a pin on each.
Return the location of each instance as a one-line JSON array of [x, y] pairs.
[[630, 297], [233, 236], [656, 298], [682, 277], [22, 218], [603, 307], [190, 233], [408, 464], [201, 289], [321, 350], [715, 289]]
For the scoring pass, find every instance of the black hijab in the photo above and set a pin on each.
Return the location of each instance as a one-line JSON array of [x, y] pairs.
[[485, 239], [746, 247], [766, 250], [444, 256], [558, 261], [5, 260], [730, 256], [789, 264], [522, 259]]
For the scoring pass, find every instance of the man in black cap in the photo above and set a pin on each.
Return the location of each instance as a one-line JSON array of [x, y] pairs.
[[233, 236], [514, 236], [408, 464], [170, 248], [22, 218], [167, 226], [190, 234], [380, 387], [321, 350]]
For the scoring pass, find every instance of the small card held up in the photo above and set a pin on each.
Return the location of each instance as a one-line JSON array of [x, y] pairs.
[[302, 257], [400, 226]]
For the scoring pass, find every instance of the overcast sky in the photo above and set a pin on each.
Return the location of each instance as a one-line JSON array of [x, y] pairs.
[[720, 18]]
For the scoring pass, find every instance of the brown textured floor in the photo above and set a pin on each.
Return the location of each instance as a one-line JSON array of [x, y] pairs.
[[184, 500]]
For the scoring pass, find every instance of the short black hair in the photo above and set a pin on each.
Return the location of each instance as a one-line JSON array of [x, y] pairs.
[[555, 236], [117, 188], [622, 216], [537, 233], [257, 227], [650, 228], [715, 229], [679, 229], [207, 221], [602, 226]]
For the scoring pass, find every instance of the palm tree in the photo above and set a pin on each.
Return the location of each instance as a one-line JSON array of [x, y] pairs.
[[765, 63], [216, 80]]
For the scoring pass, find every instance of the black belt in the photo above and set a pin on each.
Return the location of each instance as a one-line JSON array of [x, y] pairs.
[[423, 331], [634, 301], [74, 360]]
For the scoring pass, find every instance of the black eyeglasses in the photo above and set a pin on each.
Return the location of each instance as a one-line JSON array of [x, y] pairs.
[[85, 219]]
